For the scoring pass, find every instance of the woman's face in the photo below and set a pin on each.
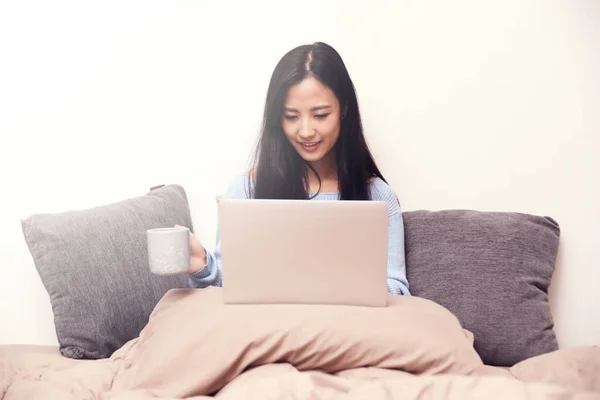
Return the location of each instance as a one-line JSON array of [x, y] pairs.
[[311, 119]]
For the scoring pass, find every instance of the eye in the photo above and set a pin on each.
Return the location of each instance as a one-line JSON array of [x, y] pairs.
[[290, 117], [321, 116]]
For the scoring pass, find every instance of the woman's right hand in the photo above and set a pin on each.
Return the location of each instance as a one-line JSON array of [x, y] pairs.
[[197, 254]]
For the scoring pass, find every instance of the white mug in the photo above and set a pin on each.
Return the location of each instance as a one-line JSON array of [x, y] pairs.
[[169, 250]]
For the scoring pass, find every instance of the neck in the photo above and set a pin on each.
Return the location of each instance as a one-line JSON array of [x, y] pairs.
[[326, 168]]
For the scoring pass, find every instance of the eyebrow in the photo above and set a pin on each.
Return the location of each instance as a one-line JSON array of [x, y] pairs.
[[318, 108]]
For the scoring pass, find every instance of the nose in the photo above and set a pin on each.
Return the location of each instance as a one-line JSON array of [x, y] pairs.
[[306, 131]]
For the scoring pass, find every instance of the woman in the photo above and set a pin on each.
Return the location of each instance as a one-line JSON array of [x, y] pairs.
[[311, 147]]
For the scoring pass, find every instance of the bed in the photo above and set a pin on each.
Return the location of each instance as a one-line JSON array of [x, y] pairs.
[[412, 349], [478, 323]]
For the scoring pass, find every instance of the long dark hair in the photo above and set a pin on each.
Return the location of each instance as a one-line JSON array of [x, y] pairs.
[[279, 171]]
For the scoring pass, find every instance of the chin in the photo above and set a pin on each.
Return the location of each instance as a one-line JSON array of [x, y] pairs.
[[312, 157]]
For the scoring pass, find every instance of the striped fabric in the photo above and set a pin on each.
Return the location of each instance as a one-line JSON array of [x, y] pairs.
[[397, 283]]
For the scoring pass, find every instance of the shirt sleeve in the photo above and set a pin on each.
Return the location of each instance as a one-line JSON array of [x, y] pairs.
[[210, 274], [397, 283]]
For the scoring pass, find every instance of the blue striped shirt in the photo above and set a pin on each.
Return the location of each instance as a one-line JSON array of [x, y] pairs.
[[210, 274]]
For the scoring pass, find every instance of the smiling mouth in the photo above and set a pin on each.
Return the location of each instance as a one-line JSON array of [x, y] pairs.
[[310, 144]]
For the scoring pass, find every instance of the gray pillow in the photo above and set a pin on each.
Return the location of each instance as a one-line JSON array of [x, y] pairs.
[[94, 265], [492, 270]]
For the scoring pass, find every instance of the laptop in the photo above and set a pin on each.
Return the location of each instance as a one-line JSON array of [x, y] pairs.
[[304, 252]]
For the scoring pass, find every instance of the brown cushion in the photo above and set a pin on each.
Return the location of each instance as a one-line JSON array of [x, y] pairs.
[[492, 270]]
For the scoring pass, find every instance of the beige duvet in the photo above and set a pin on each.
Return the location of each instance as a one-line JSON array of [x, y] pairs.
[[195, 347]]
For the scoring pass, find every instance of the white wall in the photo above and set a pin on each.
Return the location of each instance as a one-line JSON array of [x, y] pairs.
[[485, 105]]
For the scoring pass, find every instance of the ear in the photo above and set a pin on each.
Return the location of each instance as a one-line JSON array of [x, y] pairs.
[[344, 111]]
